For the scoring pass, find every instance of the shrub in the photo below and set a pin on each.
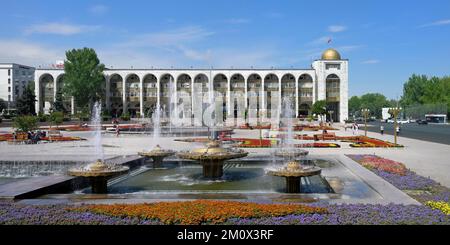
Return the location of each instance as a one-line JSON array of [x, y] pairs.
[[125, 116], [25, 123], [42, 117], [57, 117]]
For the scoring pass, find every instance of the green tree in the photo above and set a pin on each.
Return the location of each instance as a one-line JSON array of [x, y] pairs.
[[58, 105], [354, 106], [83, 76], [413, 90], [374, 102], [423, 95], [26, 103], [57, 118], [3, 105], [319, 108], [25, 123]]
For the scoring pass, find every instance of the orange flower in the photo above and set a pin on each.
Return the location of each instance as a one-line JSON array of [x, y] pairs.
[[199, 211]]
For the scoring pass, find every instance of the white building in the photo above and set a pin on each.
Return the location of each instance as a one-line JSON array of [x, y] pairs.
[[138, 90], [13, 80]]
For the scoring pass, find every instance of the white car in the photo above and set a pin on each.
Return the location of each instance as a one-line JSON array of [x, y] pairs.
[[403, 121]]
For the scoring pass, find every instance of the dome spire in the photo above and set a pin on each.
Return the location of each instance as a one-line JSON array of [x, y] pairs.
[[331, 54]]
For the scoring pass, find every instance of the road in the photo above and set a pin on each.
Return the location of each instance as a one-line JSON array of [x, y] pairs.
[[437, 133]]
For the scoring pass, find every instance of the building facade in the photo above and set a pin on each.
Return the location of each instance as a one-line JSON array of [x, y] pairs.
[[13, 80], [138, 91]]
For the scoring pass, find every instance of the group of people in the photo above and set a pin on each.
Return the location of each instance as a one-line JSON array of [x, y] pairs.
[[33, 137], [115, 123], [355, 128], [397, 129]]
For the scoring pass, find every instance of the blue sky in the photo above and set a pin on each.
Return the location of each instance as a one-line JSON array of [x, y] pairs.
[[385, 41]]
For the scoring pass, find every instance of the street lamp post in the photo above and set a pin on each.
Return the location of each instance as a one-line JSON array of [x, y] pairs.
[[394, 112], [365, 113]]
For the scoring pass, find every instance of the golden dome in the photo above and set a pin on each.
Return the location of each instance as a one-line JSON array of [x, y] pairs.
[[331, 54]]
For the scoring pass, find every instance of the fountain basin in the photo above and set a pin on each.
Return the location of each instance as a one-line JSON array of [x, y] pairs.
[[98, 174], [293, 173], [291, 153], [212, 158], [157, 155]]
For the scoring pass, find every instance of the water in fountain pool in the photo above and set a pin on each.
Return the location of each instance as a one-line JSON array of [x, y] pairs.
[[187, 177]]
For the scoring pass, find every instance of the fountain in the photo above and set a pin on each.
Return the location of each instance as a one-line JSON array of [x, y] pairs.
[[212, 157], [98, 172], [290, 153], [158, 155], [293, 172], [287, 149]]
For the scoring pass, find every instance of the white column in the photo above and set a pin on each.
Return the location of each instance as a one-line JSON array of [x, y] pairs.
[[124, 95], [262, 104], [246, 91], [37, 91], [72, 105], [229, 98], [192, 98], [108, 93], [175, 105], [158, 91], [141, 97], [54, 89], [296, 95], [279, 100]]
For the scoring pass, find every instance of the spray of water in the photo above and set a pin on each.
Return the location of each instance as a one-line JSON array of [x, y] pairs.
[[288, 114], [96, 123], [156, 118]]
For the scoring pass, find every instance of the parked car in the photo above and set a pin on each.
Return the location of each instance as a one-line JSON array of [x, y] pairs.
[[422, 122], [403, 121]]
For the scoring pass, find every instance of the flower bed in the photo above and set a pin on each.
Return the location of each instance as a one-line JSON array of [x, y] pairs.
[[443, 206], [16, 214], [199, 211], [62, 138], [257, 143], [193, 140], [255, 127], [222, 212], [356, 214], [421, 188], [382, 164], [318, 145], [9, 138], [367, 142]]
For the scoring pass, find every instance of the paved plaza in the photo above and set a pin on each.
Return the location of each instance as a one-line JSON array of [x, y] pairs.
[[426, 158]]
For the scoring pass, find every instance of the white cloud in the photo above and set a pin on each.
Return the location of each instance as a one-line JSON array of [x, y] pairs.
[[337, 28], [437, 23], [238, 21], [99, 9], [168, 38], [371, 62], [59, 29], [28, 53]]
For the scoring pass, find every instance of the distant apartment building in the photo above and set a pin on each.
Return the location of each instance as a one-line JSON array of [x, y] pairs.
[[13, 80]]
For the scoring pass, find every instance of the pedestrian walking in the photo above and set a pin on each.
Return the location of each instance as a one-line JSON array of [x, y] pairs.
[[356, 128], [397, 130], [117, 131], [382, 130]]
